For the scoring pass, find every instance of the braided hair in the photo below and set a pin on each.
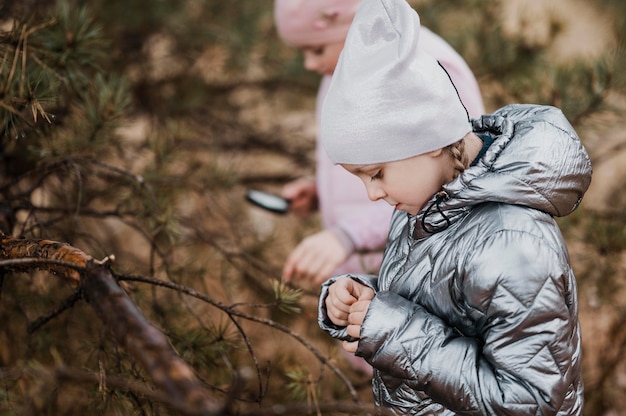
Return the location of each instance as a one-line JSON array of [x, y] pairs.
[[459, 157]]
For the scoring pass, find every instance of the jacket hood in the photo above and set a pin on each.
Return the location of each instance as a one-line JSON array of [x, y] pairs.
[[536, 160]]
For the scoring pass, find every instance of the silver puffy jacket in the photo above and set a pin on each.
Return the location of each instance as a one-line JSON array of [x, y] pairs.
[[476, 307]]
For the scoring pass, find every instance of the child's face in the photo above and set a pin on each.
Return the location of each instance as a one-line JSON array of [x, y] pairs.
[[406, 184], [322, 58]]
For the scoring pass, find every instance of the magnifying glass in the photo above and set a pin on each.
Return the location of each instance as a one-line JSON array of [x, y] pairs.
[[268, 201]]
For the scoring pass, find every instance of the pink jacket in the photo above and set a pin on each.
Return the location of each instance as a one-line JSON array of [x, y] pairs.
[[361, 224]]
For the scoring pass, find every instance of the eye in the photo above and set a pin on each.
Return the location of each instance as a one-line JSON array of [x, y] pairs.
[[377, 175], [318, 51]]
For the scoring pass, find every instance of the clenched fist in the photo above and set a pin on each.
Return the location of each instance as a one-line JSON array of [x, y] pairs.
[[346, 305]]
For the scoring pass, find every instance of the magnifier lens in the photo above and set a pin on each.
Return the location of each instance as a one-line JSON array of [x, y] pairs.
[[268, 201]]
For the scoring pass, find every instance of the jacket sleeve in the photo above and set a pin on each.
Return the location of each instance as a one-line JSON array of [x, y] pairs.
[[324, 322], [519, 293]]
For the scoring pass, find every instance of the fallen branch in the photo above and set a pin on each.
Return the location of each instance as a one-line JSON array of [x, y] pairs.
[[120, 315]]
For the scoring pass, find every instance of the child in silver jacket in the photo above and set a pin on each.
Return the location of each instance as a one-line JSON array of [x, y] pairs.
[[475, 310]]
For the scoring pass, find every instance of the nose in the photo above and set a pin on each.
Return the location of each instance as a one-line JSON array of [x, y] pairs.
[[375, 192]]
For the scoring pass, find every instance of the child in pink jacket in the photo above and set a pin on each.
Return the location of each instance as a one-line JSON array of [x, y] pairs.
[[354, 228]]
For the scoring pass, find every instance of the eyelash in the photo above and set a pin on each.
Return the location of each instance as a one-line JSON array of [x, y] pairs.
[[378, 175]]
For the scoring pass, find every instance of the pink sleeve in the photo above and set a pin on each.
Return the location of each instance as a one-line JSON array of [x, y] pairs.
[[368, 227]]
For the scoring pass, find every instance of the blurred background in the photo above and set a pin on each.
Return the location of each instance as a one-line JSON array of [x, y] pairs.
[[134, 128]]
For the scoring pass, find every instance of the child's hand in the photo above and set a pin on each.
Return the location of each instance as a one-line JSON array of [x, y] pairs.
[[315, 258], [356, 315], [302, 193], [347, 296]]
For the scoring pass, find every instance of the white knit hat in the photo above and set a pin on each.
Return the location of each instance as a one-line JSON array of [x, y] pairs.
[[388, 99]]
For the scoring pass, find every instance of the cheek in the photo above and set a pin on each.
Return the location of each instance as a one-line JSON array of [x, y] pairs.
[[330, 61], [416, 185], [333, 56]]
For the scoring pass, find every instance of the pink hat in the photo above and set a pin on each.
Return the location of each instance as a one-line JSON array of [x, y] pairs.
[[310, 22]]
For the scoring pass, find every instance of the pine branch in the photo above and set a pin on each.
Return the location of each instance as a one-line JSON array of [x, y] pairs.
[[235, 312], [119, 314]]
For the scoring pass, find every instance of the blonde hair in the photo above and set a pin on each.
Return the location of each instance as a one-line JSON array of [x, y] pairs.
[[459, 156]]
